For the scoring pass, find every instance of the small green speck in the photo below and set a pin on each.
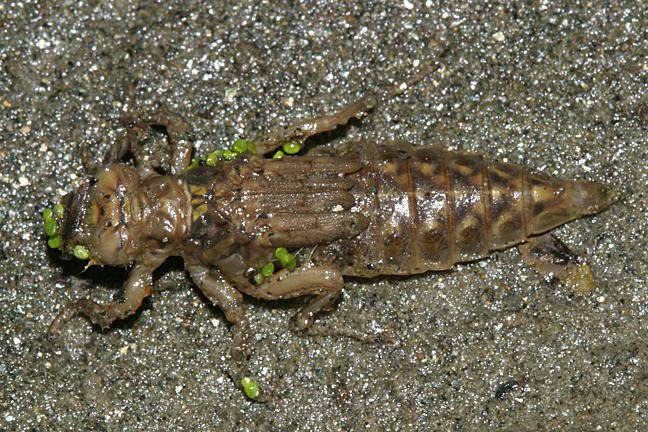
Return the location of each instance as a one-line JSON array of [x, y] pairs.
[[54, 242], [280, 252], [81, 252], [291, 148], [240, 146], [214, 157], [47, 213], [51, 227], [192, 165], [258, 278], [288, 261], [251, 147], [268, 269], [228, 155], [250, 387], [278, 155], [58, 210]]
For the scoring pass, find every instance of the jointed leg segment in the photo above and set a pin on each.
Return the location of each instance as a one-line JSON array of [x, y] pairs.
[[294, 283], [324, 282], [305, 318], [300, 130], [137, 130], [138, 287], [230, 301]]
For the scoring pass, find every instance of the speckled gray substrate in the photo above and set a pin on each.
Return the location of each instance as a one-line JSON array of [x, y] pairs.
[[489, 344]]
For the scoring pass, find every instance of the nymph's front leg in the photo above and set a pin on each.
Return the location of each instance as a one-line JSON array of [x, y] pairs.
[[137, 130], [137, 287], [212, 283]]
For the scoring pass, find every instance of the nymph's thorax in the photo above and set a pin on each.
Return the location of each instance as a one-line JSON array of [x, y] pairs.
[[162, 209]]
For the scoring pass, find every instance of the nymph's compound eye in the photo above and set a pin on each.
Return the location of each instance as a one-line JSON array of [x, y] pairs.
[[75, 205]]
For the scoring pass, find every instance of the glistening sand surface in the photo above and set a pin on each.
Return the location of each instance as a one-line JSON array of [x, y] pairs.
[[559, 86]]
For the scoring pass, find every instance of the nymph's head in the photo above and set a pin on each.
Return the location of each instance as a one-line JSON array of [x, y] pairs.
[[97, 222]]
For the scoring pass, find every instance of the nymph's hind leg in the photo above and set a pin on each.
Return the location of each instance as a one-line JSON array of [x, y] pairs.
[[304, 320], [300, 130], [302, 280], [138, 128], [325, 283], [557, 263], [320, 303]]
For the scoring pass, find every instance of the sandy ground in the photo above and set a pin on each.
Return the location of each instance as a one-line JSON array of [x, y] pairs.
[[489, 344]]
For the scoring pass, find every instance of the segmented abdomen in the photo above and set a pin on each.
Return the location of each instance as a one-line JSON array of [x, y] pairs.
[[430, 208]]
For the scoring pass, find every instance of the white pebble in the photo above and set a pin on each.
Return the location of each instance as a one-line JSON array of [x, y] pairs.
[[230, 94], [42, 44]]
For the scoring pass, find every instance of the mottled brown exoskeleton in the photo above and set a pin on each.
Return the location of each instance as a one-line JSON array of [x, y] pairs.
[[374, 209]]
